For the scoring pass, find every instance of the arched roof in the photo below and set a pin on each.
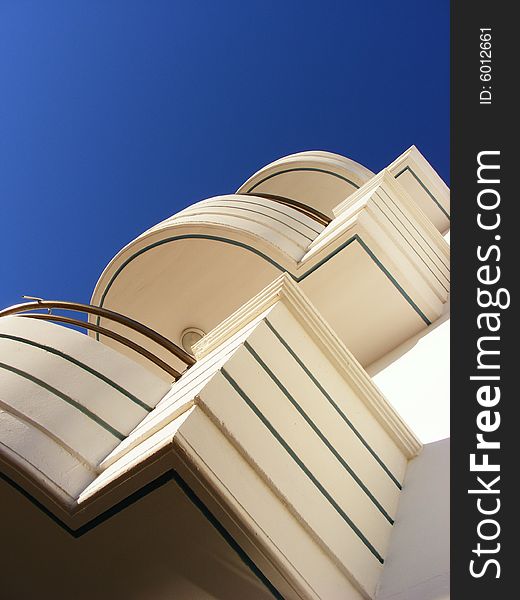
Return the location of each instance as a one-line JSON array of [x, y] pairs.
[[317, 178]]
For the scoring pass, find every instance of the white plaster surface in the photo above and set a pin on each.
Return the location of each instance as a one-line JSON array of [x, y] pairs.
[[415, 378], [418, 562]]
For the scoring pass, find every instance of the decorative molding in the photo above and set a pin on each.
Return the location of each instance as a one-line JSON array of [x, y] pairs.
[[413, 161], [335, 165], [295, 268], [284, 289], [132, 397], [394, 228]]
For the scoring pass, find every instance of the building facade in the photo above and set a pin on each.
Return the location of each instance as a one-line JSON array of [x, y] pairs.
[[260, 407]]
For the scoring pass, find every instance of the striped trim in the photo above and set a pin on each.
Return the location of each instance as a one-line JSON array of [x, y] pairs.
[[302, 466], [141, 493], [334, 405], [394, 281], [406, 238], [356, 237], [88, 413], [226, 535], [303, 169], [27, 420], [414, 175], [83, 366], [442, 258], [189, 236], [250, 200], [317, 431], [189, 212]]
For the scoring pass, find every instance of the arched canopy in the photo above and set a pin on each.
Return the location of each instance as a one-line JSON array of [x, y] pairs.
[[319, 179]]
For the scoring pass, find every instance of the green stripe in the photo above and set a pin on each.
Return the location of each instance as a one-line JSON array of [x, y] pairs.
[[83, 366], [326, 259], [257, 212], [66, 398], [266, 258], [132, 499], [387, 273], [303, 169], [188, 236], [439, 256], [317, 431], [334, 405], [407, 240], [412, 172], [196, 501], [302, 466], [273, 208]]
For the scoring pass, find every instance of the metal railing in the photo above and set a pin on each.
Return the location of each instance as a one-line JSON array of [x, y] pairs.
[[22, 310], [309, 211]]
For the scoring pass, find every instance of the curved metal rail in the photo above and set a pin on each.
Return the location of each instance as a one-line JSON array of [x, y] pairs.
[[309, 211], [21, 309]]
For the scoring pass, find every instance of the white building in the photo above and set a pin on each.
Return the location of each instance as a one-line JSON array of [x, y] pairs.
[[277, 428]]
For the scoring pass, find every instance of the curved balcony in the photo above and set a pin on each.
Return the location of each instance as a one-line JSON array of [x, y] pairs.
[[198, 266], [274, 222], [320, 180], [26, 310], [83, 425], [67, 400], [361, 245], [273, 390]]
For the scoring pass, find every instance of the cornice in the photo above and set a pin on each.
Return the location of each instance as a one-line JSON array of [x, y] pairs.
[[285, 290], [396, 230], [413, 160], [335, 164]]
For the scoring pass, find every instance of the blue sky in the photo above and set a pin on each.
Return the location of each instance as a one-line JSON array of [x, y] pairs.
[[116, 114]]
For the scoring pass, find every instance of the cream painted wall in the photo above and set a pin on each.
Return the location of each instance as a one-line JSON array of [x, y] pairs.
[[166, 549], [415, 377], [66, 401], [159, 548], [308, 464]]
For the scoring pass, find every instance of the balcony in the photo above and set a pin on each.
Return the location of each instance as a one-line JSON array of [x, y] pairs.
[[269, 421], [374, 264], [275, 426], [68, 400]]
